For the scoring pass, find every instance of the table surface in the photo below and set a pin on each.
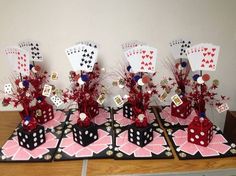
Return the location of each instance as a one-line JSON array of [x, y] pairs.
[[9, 120]]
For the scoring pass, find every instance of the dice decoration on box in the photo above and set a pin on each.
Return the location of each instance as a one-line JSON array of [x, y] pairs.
[[200, 131], [182, 111], [137, 79], [84, 131]]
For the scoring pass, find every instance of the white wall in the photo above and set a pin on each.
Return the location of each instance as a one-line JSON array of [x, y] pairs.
[[58, 24]]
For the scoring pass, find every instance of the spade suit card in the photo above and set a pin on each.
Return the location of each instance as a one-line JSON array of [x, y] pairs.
[[88, 43], [178, 48], [33, 48], [8, 88], [82, 57], [18, 59]]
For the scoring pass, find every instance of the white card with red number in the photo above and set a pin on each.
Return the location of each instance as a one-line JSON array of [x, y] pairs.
[[142, 58], [82, 57], [178, 48], [203, 56], [222, 108], [18, 59], [34, 50], [176, 100]]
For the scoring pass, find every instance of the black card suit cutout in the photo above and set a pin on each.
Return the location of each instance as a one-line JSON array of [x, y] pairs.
[[82, 59], [87, 55], [81, 64], [88, 66], [31, 44], [92, 52], [86, 62], [84, 55], [37, 44], [33, 57], [91, 57], [85, 50], [89, 62]]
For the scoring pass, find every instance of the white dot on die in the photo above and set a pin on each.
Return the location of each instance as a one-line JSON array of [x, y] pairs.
[[192, 140], [138, 143], [80, 137], [145, 133], [202, 133], [95, 137], [23, 139], [27, 145], [131, 130], [41, 141], [44, 112], [138, 133], [41, 136], [21, 143], [196, 136], [201, 142], [131, 139], [91, 134], [150, 130], [131, 134], [35, 144], [150, 138], [74, 129], [40, 131], [181, 115], [26, 136], [86, 132], [20, 134], [177, 110], [75, 139], [138, 137], [145, 141], [126, 107], [34, 134], [192, 130], [81, 142], [80, 132], [75, 134]]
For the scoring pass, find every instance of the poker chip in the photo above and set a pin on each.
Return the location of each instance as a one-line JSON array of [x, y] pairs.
[[140, 82], [183, 64], [145, 79], [31, 66], [37, 67], [25, 83], [202, 114], [80, 81], [195, 77], [200, 80], [82, 116], [205, 77], [33, 70], [84, 78], [136, 77], [129, 68], [216, 82], [21, 85]]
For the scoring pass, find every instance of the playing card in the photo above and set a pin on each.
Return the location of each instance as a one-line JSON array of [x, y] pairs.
[[82, 57], [131, 44], [56, 100], [54, 76], [178, 48], [8, 88], [33, 48], [101, 99], [118, 100], [88, 43], [18, 60], [163, 96], [148, 59], [203, 56], [47, 89], [133, 56], [222, 108], [176, 100]]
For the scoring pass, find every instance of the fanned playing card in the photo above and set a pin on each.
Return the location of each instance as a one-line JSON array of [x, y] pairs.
[[203, 56], [131, 44], [34, 50], [82, 57], [178, 48], [88, 43], [18, 59]]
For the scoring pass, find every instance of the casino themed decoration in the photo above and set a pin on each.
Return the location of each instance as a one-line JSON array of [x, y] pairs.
[[203, 57], [137, 79], [84, 90]]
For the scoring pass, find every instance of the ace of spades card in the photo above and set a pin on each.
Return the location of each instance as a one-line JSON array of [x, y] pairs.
[[148, 59], [178, 48], [33, 48], [82, 57], [19, 60]]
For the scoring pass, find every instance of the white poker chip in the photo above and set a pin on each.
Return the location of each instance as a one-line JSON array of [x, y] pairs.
[[21, 85], [140, 82], [180, 67], [80, 81], [33, 70], [121, 86], [82, 116], [200, 80]]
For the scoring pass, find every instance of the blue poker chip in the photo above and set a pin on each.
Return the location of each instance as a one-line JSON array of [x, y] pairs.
[[31, 66], [27, 118], [25, 83], [128, 68], [39, 98], [136, 77], [84, 78], [202, 114], [183, 64], [195, 77]]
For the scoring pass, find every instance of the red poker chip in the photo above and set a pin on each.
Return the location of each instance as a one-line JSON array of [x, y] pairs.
[[145, 79], [205, 77]]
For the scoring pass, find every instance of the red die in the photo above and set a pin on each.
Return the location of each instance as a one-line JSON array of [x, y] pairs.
[[92, 109], [182, 111], [200, 131], [43, 112]]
